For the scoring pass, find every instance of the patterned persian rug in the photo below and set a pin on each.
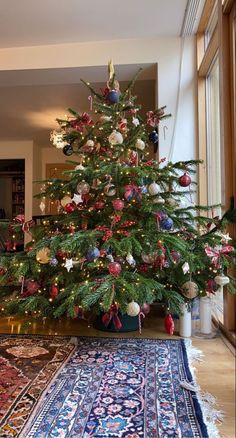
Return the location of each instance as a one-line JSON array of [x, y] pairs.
[[103, 387]]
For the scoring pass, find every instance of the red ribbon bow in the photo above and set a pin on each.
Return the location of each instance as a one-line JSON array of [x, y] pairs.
[[132, 191], [216, 253], [20, 219], [112, 315]]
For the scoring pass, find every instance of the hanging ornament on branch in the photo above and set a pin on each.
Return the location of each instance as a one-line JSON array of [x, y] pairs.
[[133, 309], [184, 180], [169, 324], [68, 150], [43, 255], [189, 289]]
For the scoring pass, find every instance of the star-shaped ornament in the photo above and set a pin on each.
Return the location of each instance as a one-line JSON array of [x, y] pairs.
[[77, 199], [224, 237], [69, 264]]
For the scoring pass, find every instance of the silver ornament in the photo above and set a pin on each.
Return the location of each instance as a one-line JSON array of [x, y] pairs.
[[189, 289], [154, 189], [83, 188], [133, 309], [115, 138], [140, 144]]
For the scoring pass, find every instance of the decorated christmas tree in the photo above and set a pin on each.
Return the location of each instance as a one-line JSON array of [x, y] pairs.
[[123, 237]]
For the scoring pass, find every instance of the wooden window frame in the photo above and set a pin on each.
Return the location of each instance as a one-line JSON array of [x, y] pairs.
[[222, 42]]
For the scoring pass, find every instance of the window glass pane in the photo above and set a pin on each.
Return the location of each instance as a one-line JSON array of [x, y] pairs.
[[214, 173], [213, 135], [211, 25]]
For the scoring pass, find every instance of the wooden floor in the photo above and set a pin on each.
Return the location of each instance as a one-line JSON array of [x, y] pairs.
[[215, 374]]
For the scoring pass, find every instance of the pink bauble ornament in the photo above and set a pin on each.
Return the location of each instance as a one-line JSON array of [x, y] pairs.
[[114, 268], [99, 205], [69, 208], [118, 204], [184, 180], [145, 308]]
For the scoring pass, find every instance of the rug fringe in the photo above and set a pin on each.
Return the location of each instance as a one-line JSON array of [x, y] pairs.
[[207, 401]]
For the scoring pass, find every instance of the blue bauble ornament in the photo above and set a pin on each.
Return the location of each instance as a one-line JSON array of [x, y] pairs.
[[53, 261], [68, 150], [92, 254], [143, 190], [113, 96], [166, 224], [153, 137]]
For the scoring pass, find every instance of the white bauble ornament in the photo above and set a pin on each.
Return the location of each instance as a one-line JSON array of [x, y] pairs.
[[43, 255], [221, 280], [66, 200], [133, 309], [158, 200], [110, 190], [115, 138], [140, 144], [90, 143], [153, 189], [189, 289], [83, 188], [105, 119]]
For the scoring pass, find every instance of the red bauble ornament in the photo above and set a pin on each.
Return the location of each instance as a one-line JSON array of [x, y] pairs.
[[54, 291], [169, 324], [2, 271], [69, 208], [99, 205], [118, 204], [114, 268], [145, 308], [184, 180]]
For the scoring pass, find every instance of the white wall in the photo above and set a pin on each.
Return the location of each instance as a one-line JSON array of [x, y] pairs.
[[52, 155], [163, 51]]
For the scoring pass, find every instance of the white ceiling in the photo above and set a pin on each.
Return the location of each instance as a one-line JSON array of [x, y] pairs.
[[31, 22], [32, 99]]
